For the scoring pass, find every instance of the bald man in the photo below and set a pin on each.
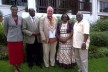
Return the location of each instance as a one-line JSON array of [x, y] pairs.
[[48, 26], [81, 41], [32, 39]]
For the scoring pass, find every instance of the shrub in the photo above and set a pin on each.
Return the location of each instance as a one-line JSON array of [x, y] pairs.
[[97, 52], [94, 28], [100, 26], [93, 51], [99, 38], [102, 52], [3, 52], [2, 36]]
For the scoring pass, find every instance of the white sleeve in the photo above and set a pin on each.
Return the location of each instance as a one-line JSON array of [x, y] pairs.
[[86, 27]]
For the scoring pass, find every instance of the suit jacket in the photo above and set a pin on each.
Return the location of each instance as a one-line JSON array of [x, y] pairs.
[[28, 28], [44, 29], [12, 30]]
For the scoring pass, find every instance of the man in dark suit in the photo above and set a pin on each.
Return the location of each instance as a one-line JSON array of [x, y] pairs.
[[32, 39]]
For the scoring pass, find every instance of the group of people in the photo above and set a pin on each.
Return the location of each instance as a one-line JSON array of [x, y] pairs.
[[63, 42]]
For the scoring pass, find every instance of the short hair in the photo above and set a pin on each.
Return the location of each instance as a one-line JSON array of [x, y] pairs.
[[80, 13], [50, 8], [63, 16], [13, 6], [30, 9]]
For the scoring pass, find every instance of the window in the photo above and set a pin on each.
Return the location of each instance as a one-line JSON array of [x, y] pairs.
[[63, 6], [15, 2], [60, 6], [103, 6]]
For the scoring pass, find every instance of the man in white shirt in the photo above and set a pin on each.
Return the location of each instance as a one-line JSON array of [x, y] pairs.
[[81, 42]]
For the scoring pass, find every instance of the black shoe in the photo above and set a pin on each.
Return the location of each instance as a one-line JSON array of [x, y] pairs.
[[30, 67], [40, 66]]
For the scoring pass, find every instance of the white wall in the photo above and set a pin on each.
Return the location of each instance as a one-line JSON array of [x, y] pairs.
[[0, 2], [6, 10], [88, 17]]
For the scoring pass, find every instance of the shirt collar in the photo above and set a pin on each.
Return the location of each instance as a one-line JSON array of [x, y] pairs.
[[32, 17]]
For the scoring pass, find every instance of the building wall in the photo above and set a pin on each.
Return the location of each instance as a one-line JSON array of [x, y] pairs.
[[90, 17], [6, 10]]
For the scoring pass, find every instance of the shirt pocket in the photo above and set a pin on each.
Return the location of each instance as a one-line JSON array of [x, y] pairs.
[[80, 28]]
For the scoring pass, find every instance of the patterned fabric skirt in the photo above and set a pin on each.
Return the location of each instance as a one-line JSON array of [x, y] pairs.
[[65, 54], [15, 52]]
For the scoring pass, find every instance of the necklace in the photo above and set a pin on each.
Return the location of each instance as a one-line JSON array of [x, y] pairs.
[[51, 25]]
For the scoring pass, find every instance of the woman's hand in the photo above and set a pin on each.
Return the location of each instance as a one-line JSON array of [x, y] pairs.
[[63, 40]]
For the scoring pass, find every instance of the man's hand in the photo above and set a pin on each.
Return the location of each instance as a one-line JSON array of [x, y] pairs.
[[37, 33], [83, 47], [44, 41], [33, 34], [63, 40]]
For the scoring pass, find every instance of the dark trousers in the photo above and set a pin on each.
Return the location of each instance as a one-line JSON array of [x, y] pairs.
[[34, 53]]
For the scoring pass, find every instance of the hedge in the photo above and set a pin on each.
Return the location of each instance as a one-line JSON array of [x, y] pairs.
[[99, 38], [100, 26], [98, 52]]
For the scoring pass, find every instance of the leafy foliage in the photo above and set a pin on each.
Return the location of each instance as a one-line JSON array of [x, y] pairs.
[[98, 52], [3, 52], [100, 26], [99, 38], [2, 36]]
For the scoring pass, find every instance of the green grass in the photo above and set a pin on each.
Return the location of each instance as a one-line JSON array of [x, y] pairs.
[[98, 65], [95, 65]]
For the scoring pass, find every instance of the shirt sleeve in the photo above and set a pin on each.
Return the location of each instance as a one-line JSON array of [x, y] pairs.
[[5, 26], [86, 27]]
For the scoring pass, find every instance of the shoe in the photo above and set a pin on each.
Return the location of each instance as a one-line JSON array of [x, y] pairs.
[[47, 66], [52, 65], [15, 70], [39, 65], [30, 67]]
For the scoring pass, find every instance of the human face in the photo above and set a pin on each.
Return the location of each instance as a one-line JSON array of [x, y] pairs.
[[32, 12], [65, 18], [14, 11], [79, 17], [50, 13]]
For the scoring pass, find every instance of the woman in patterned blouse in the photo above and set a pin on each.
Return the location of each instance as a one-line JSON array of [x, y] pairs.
[[65, 53]]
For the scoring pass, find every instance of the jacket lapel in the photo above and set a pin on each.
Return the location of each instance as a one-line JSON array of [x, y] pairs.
[[29, 19], [11, 19]]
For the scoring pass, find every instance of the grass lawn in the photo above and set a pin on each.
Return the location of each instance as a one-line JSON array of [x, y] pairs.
[[98, 65], [95, 65]]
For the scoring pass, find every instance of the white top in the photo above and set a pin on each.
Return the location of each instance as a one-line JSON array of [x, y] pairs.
[[63, 30], [52, 33], [64, 26], [32, 19], [79, 30]]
